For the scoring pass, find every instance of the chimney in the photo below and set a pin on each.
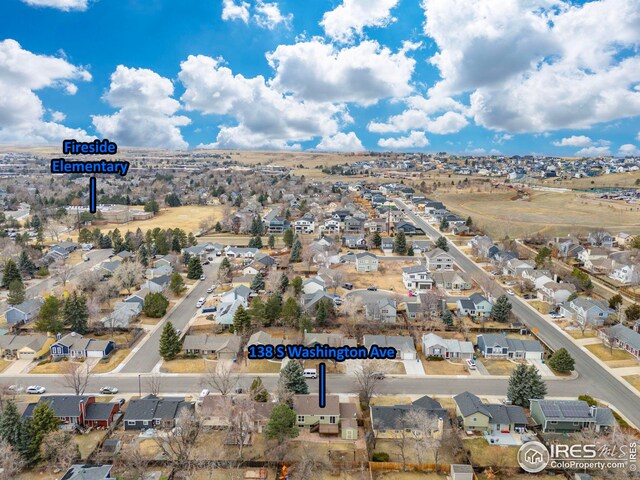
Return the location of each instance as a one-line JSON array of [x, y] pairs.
[[58, 336], [83, 411], [593, 410]]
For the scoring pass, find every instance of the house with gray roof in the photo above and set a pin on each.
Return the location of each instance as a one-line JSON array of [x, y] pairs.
[[157, 284], [417, 278], [122, 315], [107, 268], [366, 262], [310, 301], [382, 310], [387, 421], [586, 311], [452, 280], [223, 347], [569, 416], [22, 346], [154, 412], [24, 312], [81, 471], [474, 415], [474, 306], [435, 346], [75, 345], [493, 345], [264, 338], [331, 339], [438, 259], [405, 348], [623, 338]]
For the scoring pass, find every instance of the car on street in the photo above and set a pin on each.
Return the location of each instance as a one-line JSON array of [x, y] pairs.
[[510, 292], [108, 390], [203, 277], [201, 301], [378, 375], [35, 390], [206, 262], [510, 284], [347, 286], [372, 288], [210, 290]]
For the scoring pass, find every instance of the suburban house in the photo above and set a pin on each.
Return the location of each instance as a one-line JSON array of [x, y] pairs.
[[387, 421], [417, 278], [623, 239], [222, 347], [353, 225], [138, 297], [474, 415], [435, 346], [330, 226], [623, 338], [420, 246], [107, 268], [556, 293], [481, 245], [386, 245], [537, 277], [122, 315], [452, 280], [331, 339], [475, 306], [438, 259], [154, 412], [313, 285], [165, 261], [227, 310], [569, 416], [591, 254], [274, 223], [74, 345], [366, 262], [626, 274], [157, 284], [515, 267], [407, 228], [24, 312], [23, 346], [494, 345], [310, 301], [601, 239], [305, 225], [241, 252], [264, 338], [354, 241], [586, 311], [335, 418], [200, 251], [215, 410], [77, 411], [88, 472], [383, 310], [405, 348], [158, 271]]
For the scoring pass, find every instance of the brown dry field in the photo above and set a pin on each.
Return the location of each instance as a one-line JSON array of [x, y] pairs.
[[549, 213]]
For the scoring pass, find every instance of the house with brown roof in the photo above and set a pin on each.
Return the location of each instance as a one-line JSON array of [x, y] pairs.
[[327, 420]]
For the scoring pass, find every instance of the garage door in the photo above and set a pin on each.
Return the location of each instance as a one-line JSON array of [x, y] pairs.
[[94, 354], [408, 356], [27, 355], [226, 355]]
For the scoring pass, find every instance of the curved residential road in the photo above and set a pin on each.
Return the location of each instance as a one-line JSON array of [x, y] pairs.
[[146, 355], [594, 378]]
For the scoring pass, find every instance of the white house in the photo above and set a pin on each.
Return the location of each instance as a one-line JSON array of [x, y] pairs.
[[626, 274], [537, 277], [586, 310], [417, 278], [366, 262], [306, 224], [556, 293], [313, 285], [438, 259], [435, 346]]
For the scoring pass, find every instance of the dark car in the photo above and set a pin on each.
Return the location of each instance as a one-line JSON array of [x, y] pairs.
[[378, 375], [347, 286], [372, 289]]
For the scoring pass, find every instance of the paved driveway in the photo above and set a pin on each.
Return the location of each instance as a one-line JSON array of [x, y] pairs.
[[542, 368], [413, 367]]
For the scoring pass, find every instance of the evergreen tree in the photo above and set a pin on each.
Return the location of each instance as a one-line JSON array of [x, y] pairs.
[[75, 313], [541, 257], [43, 421], [255, 242], [186, 258], [218, 227], [16, 293], [175, 245], [118, 242], [297, 285], [447, 318], [177, 285], [444, 224], [143, 255], [194, 270], [10, 273], [284, 283], [322, 314], [172, 200], [615, 301], [292, 374], [169, 342], [152, 206], [10, 424], [410, 252], [296, 251], [282, 424], [49, 317], [105, 241], [241, 320], [273, 309], [469, 222], [26, 265], [525, 383], [562, 361], [271, 241], [257, 227], [287, 238], [502, 309], [400, 243], [376, 239], [291, 312], [257, 392], [305, 323], [257, 310], [632, 312], [258, 283], [442, 244], [155, 305]]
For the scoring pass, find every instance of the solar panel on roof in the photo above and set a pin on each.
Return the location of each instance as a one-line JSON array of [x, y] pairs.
[[574, 410], [550, 409]]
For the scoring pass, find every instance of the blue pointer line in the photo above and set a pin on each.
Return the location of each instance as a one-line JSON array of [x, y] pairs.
[[323, 385], [92, 195]]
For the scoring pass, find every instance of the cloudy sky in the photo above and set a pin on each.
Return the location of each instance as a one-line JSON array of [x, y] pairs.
[[467, 76]]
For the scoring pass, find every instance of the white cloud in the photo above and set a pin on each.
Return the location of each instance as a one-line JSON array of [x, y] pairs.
[[235, 11], [341, 142], [57, 116], [593, 151], [268, 15], [449, 122], [638, 137], [364, 74], [350, 17], [65, 5], [501, 138], [146, 116], [413, 140], [628, 149], [265, 117], [538, 65], [21, 111], [574, 141]]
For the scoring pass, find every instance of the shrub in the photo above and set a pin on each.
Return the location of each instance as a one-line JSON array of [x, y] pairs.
[[590, 400], [434, 358], [380, 457]]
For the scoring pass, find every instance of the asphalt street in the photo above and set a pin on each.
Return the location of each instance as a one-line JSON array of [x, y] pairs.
[[594, 380], [147, 355]]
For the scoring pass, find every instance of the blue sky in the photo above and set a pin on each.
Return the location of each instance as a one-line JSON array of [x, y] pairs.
[[465, 76]]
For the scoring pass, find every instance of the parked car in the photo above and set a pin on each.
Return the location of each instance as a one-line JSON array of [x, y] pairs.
[[201, 301], [108, 390], [347, 286], [203, 277], [204, 392], [378, 375], [510, 292], [210, 290], [372, 288], [471, 364], [119, 401], [412, 293], [310, 373], [555, 315], [206, 262], [510, 284], [35, 390]]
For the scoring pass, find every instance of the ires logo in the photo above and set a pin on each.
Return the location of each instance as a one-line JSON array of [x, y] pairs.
[[533, 457]]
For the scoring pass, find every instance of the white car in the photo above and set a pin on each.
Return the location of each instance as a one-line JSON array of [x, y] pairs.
[[203, 277], [204, 393], [555, 315], [35, 390], [510, 292], [210, 290], [108, 390], [201, 301]]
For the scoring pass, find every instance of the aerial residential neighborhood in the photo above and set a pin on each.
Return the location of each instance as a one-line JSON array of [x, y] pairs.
[[351, 240]]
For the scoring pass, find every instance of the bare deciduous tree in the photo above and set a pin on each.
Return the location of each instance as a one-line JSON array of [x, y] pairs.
[[241, 415], [272, 282], [368, 379], [62, 271], [76, 376], [10, 461], [154, 383], [178, 443], [133, 462], [221, 378], [127, 276], [59, 449], [311, 465], [426, 429]]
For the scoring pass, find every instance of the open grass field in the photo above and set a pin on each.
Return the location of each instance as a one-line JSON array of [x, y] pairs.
[[112, 362], [550, 213], [615, 180], [615, 358], [186, 217], [187, 365]]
